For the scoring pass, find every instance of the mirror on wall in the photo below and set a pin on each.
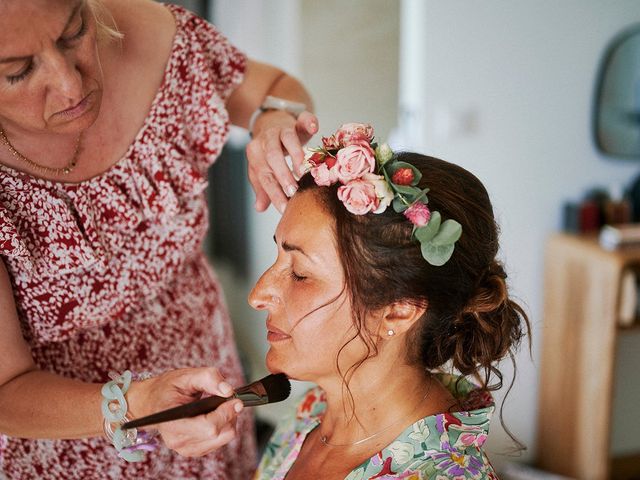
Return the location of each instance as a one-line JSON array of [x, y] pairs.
[[617, 101]]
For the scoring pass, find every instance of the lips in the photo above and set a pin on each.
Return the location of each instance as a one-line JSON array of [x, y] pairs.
[[77, 109], [274, 334]]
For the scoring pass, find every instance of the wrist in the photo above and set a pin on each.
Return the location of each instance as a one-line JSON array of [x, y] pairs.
[[130, 444], [137, 398], [275, 104], [271, 118]]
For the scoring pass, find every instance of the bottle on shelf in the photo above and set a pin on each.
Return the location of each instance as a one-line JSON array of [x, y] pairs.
[[617, 208]]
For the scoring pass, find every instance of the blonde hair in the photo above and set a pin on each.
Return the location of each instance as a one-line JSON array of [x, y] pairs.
[[105, 23]]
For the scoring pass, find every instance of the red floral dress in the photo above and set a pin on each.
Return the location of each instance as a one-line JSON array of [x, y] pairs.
[[109, 274]]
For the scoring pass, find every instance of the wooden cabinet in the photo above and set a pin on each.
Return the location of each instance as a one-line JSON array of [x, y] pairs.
[[580, 332]]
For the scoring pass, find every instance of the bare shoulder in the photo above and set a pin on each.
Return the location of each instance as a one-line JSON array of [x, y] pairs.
[[148, 27]]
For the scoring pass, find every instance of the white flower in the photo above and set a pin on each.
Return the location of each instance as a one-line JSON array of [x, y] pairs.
[[384, 153], [420, 431], [383, 191], [401, 452]]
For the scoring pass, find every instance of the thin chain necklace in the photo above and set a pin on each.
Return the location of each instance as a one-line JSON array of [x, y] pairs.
[[323, 438], [56, 171]]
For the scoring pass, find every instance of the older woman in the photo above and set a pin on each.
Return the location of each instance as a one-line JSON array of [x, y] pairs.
[[106, 135], [376, 288]]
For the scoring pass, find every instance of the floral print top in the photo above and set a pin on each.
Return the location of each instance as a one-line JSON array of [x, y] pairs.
[[440, 447], [109, 273]]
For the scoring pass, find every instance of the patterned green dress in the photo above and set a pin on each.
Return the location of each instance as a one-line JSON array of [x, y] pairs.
[[441, 447]]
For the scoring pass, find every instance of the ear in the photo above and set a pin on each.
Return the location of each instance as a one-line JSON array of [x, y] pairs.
[[398, 318]]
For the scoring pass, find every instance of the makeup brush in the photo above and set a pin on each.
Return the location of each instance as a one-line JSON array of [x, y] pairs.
[[270, 389]]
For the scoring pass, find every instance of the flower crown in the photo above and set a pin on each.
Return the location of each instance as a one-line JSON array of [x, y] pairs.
[[372, 179]]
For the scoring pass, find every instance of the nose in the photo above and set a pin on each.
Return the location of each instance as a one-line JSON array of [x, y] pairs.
[[264, 294], [65, 79]]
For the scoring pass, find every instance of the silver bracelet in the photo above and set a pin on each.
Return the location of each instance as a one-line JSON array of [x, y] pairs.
[[276, 103]]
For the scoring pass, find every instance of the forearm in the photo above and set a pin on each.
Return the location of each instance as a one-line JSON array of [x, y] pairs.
[[39, 404], [286, 86], [261, 80]]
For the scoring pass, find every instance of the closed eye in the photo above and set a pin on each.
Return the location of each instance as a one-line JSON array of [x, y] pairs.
[[66, 41], [12, 79], [296, 277]]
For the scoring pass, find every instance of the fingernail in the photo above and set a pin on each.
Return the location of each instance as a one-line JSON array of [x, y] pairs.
[[225, 388], [238, 407], [314, 126], [291, 190]]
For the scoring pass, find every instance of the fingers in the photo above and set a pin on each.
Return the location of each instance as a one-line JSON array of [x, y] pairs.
[[203, 380], [307, 126], [198, 436], [269, 174], [274, 155], [263, 180], [271, 177]]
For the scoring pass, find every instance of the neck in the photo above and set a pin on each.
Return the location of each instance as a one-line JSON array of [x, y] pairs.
[[385, 397]]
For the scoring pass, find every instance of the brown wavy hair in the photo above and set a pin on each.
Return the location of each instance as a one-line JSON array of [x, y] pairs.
[[470, 322]]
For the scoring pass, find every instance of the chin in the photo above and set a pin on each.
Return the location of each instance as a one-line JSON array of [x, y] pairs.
[[275, 364]]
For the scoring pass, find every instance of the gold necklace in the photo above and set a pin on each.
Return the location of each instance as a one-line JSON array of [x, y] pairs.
[[324, 440], [56, 171]]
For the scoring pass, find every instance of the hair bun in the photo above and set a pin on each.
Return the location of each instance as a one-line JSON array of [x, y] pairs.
[[490, 293]]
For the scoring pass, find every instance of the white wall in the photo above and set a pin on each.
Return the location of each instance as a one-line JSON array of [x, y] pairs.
[[349, 61], [505, 89]]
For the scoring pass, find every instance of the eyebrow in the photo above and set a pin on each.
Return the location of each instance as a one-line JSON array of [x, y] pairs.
[[288, 247], [69, 20]]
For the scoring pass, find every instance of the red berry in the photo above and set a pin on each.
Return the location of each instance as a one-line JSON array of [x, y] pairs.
[[403, 176]]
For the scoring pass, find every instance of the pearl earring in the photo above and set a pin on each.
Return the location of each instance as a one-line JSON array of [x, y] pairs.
[[391, 333]]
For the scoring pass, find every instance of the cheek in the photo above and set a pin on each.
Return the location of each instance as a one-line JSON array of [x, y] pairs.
[[88, 61], [321, 336], [312, 303], [23, 105]]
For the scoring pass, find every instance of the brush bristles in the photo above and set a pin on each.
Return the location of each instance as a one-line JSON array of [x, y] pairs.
[[277, 386]]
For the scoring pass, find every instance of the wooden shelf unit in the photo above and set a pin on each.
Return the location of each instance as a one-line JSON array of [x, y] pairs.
[[580, 330]]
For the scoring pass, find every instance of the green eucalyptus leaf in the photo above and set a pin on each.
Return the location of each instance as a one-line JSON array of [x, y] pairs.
[[436, 255], [422, 197], [417, 175], [398, 205], [407, 190], [426, 233], [448, 234]]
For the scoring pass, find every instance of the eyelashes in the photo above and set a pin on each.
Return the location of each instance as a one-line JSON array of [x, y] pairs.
[[81, 32], [296, 277], [21, 76]]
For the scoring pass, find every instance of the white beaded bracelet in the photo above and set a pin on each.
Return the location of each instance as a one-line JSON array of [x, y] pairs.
[[276, 103]]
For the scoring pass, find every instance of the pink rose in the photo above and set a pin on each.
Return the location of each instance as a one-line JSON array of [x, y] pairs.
[[359, 197], [351, 133], [354, 161], [418, 214], [323, 175], [383, 192]]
